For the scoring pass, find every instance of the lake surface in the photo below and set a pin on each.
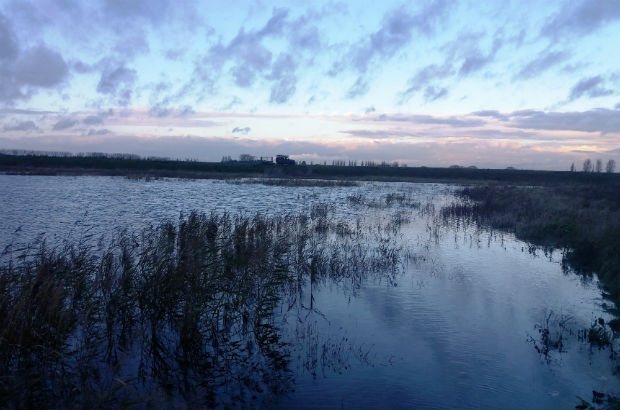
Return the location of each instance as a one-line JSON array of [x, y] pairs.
[[455, 326]]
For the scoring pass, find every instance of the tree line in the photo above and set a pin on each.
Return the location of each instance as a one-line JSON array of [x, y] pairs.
[[589, 166]]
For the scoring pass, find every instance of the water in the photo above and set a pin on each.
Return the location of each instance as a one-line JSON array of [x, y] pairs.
[[455, 328]]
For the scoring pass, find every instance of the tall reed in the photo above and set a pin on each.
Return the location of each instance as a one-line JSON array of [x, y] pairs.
[[181, 314]]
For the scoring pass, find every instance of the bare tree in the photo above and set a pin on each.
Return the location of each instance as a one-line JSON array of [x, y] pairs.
[[599, 165], [611, 166], [572, 167], [587, 165]]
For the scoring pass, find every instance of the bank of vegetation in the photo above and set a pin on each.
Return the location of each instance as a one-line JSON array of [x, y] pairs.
[[162, 167], [583, 219]]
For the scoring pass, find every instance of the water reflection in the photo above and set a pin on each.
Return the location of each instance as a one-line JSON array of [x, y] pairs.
[[307, 297]]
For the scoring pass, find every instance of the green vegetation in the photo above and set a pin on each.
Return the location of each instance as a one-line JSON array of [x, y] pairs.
[[582, 219], [179, 315]]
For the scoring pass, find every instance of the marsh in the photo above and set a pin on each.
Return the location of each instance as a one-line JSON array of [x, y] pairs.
[[206, 293]]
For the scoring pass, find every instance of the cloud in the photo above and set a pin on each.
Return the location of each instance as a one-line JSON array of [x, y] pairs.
[[396, 31], [285, 81], [64, 123], [579, 18], [591, 87], [488, 134], [283, 90], [93, 120], [234, 101], [150, 10], [249, 56], [424, 79], [543, 62], [275, 25], [476, 60], [24, 72], [24, 111], [8, 43], [130, 43], [117, 81], [382, 134], [81, 67], [41, 67], [491, 113], [432, 93], [243, 131], [97, 119], [159, 111], [25, 126], [360, 87], [600, 120], [453, 121], [185, 111], [304, 35], [101, 131]]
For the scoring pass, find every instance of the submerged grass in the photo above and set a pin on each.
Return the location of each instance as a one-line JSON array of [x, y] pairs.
[[582, 219], [176, 315]]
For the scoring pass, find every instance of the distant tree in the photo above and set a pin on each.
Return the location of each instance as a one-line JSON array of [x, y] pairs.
[[599, 165], [246, 158], [611, 166], [587, 165], [572, 167]]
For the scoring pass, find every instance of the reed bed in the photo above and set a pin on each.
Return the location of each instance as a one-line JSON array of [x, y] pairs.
[[582, 220], [181, 314]]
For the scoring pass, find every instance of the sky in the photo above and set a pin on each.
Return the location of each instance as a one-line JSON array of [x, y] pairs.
[[527, 84]]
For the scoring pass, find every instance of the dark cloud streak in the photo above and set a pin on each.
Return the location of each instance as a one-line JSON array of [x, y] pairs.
[[600, 120], [453, 121], [244, 130], [64, 124], [579, 18], [543, 62], [591, 87], [24, 126]]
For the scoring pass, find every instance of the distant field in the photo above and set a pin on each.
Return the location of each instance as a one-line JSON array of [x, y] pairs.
[[49, 165]]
